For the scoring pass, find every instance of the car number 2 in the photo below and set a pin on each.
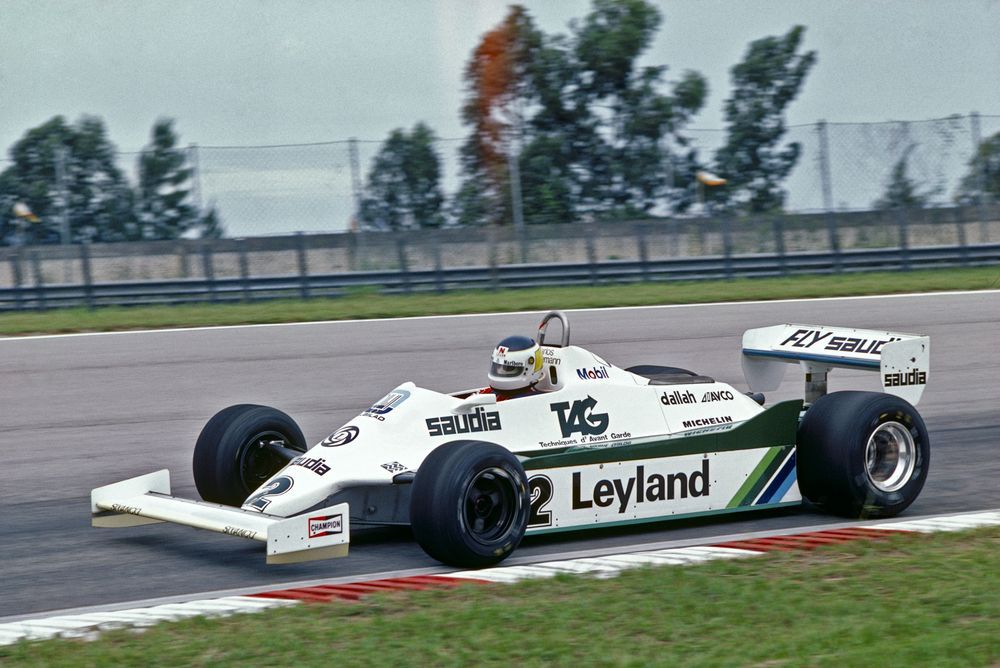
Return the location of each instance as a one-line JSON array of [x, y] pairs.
[[259, 501], [540, 488]]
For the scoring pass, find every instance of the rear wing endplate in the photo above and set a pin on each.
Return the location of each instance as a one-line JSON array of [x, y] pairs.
[[321, 534], [901, 360]]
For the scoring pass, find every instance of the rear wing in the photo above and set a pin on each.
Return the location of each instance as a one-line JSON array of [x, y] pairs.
[[901, 360]]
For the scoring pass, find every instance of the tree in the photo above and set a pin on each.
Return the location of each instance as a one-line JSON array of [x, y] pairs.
[[584, 123], [901, 192], [499, 89], [403, 187], [764, 84], [92, 192], [163, 197], [627, 165], [982, 181]]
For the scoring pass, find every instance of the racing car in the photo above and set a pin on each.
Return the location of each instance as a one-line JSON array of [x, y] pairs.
[[593, 445]]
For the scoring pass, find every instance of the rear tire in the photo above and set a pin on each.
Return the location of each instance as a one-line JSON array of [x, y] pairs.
[[470, 502], [862, 454], [235, 452]]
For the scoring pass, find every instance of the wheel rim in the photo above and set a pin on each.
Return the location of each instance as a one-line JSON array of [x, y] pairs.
[[490, 505], [890, 456], [258, 460]]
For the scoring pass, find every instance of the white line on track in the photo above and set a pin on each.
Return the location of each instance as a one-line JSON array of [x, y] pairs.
[[502, 313]]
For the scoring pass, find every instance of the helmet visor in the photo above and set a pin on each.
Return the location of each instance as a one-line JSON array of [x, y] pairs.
[[499, 370]]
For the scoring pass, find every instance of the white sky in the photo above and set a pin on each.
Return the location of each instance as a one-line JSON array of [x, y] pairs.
[[286, 71], [260, 72]]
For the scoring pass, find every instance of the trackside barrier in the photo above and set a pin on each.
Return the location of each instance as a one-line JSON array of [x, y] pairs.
[[211, 288], [301, 266]]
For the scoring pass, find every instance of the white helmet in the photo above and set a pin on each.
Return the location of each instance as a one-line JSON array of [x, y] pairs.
[[517, 364]]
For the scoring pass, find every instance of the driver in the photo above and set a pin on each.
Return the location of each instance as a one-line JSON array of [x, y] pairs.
[[516, 368]]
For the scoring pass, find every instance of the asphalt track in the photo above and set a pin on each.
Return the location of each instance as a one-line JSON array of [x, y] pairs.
[[82, 411]]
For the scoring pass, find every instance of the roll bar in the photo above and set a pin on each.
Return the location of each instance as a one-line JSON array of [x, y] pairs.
[[542, 328]]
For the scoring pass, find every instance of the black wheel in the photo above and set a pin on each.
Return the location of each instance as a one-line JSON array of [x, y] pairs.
[[862, 454], [240, 448], [469, 506]]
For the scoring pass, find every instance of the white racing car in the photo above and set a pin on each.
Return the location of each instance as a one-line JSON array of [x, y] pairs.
[[594, 445]]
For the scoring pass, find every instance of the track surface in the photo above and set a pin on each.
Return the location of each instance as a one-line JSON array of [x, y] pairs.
[[80, 412]]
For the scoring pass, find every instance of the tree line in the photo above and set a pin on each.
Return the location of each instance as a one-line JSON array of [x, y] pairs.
[[64, 185], [572, 127], [561, 127]]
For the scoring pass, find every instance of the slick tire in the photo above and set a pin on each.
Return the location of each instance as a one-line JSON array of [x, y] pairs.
[[469, 504], [862, 454], [240, 448]]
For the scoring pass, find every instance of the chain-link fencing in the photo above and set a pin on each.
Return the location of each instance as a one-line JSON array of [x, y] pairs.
[[318, 187]]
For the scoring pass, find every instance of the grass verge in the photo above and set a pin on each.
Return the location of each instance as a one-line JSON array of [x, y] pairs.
[[911, 600], [369, 304]]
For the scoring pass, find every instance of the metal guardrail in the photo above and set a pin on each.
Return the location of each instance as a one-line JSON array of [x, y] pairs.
[[304, 285]]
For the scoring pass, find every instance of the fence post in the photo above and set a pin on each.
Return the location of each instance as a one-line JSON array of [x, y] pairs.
[[640, 240], [492, 243], [404, 264], [15, 267], [977, 139], [963, 243], [727, 245], [438, 263], [209, 269], [36, 266], [588, 240], [300, 252], [88, 283], [826, 183], [183, 263], [244, 270], [779, 244], [522, 242], [904, 237]]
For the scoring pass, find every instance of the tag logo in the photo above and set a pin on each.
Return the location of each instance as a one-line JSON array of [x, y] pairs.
[[580, 417]]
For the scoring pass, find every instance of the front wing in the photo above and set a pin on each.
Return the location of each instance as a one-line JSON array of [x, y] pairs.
[[322, 534]]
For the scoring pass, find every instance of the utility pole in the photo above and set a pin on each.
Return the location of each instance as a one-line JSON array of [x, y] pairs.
[[352, 151]]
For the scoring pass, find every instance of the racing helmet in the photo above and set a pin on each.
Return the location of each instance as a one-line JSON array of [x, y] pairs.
[[517, 364]]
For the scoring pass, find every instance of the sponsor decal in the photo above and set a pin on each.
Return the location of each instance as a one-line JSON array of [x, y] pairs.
[[342, 436], [593, 373], [580, 418], [898, 379], [704, 422], [317, 465], [478, 420], [238, 531], [549, 357], [557, 444], [387, 404], [724, 395], [326, 526], [394, 467], [676, 398], [540, 489], [501, 351], [128, 510], [276, 487], [641, 488], [808, 338]]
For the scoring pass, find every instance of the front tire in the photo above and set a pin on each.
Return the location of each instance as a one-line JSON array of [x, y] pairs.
[[862, 454], [470, 502], [240, 448]]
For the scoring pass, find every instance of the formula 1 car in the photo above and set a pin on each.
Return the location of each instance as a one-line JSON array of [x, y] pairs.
[[595, 446]]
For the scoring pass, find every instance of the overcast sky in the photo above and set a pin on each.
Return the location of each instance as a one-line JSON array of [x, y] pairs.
[[287, 71]]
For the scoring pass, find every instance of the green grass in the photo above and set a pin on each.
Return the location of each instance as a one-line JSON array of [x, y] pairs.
[[911, 600], [370, 304]]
